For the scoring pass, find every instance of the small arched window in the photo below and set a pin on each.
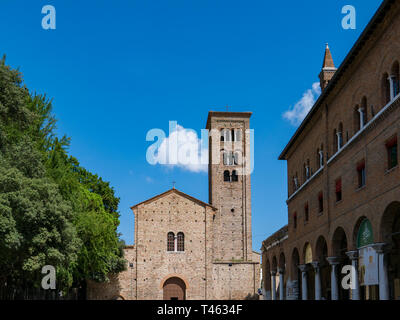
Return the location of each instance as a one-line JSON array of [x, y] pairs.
[[235, 177], [180, 242], [228, 158], [226, 135], [237, 134], [227, 176], [295, 220], [171, 241], [237, 158]]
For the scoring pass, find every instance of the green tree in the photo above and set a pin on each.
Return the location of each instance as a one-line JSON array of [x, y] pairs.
[[52, 210]]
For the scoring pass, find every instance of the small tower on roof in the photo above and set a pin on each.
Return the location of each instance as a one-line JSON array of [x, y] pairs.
[[328, 69]]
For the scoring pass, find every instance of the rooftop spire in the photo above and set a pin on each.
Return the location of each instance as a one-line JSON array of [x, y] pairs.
[[328, 61]]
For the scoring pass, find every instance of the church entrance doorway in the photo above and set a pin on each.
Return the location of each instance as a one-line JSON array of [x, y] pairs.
[[174, 289]]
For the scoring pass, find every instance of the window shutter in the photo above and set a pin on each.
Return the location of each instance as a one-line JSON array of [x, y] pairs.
[[238, 136], [228, 135], [181, 242]]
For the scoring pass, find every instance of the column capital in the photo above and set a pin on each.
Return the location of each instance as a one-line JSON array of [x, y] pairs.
[[333, 261], [281, 270], [316, 265], [303, 267], [273, 273], [353, 255]]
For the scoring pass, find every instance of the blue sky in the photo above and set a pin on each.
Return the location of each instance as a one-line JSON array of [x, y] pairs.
[[116, 69]]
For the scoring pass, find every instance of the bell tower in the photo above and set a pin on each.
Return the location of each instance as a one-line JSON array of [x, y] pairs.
[[229, 184]]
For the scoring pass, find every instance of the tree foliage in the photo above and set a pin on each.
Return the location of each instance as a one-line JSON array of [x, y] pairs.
[[52, 210]]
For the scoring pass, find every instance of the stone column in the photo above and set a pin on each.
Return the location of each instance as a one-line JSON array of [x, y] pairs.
[[303, 268], [334, 261], [273, 285], [380, 248], [339, 140], [281, 284], [355, 293], [321, 158], [318, 289]]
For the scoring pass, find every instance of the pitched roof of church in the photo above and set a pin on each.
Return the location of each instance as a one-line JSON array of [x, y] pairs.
[[328, 60], [173, 190]]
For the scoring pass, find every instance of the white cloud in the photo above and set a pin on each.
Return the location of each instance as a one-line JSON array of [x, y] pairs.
[[183, 149], [297, 113]]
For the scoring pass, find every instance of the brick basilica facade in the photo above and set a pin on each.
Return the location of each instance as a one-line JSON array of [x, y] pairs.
[[343, 179]]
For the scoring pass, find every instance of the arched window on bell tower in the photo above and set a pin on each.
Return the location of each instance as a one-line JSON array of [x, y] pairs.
[[235, 177], [385, 89], [224, 192], [227, 176]]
